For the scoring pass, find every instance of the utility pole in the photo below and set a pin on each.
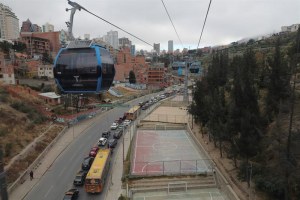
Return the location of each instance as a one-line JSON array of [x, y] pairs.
[[3, 189]]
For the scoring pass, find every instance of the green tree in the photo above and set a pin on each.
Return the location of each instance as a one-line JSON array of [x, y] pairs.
[[47, 58], [199, 106], [19, 46], [132, 78], [5, 46], [279, 84]]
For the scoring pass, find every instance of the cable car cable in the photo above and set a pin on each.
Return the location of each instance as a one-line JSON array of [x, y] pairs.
[[204, 24], [172, 22], [116, 26]]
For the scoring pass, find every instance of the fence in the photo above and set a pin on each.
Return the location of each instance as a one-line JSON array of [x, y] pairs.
[[166, 118], [222, 183], [174, 167]]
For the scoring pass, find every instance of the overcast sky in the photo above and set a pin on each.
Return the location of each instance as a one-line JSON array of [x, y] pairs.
[[228, 20]]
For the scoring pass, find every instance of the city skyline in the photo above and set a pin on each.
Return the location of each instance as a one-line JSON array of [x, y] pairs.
[[227, 21]]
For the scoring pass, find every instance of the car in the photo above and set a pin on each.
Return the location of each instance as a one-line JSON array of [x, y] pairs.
[[71, 194], [93, 151], [114, 126], [79, 178], [106, 134], [127, 122], [118, 133], [121, 126], [112, 143], [87, 163], [102, 141]]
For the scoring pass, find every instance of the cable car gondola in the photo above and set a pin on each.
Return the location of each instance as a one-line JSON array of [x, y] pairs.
[[195, 68], [84, 67]]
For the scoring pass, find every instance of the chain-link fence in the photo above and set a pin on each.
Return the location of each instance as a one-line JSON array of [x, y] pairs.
[[173, 167]]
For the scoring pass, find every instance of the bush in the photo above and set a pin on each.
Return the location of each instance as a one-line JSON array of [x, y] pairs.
[[7, 149], [3, 132]]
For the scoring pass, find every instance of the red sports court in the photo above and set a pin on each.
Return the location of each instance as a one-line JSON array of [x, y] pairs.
[[167, 152]]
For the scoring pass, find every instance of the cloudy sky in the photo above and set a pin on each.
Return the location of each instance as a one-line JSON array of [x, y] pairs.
[[228, 20]]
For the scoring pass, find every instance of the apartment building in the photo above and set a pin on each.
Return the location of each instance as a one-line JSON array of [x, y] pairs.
[[156, 76], [39, 43], [45, 71], [48, 27], [126, 62], [9, 23]]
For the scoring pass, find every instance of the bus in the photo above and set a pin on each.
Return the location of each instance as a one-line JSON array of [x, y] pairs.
[[133, 113], [95, 179]]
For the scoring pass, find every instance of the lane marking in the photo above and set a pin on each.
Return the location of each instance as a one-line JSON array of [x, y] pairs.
[[48, 191], [62, 171]]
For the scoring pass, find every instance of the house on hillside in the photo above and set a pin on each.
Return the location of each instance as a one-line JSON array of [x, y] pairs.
[[50, 98], [45, 71], [7, 75]]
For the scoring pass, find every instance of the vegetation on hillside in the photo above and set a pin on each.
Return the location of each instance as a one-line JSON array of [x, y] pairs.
[[249, 103]]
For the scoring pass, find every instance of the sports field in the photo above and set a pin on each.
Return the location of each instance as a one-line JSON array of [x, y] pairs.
[[167, 152], [195, 194]]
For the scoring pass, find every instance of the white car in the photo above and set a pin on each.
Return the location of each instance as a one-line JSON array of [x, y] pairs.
[[127, 122], [102, 141], [114, 126]]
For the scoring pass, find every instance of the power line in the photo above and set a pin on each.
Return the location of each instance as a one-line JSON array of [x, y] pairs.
[[114, 25], [204, 24], [172, 22]]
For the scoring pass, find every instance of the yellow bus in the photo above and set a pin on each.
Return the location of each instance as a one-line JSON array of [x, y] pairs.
[[95, 179], [133, 113]]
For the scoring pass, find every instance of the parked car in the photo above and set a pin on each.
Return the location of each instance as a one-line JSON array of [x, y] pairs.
[[87, 163], [80, 178], [93, 151], [121, 126], [127, 122], [102, 141], [118, 133], [112, 143], [114, 126], [71, 194], [106, 134]]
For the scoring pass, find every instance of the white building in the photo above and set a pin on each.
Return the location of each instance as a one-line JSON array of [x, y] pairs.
[[45, 70], [86, 36], [156, 48], [48, 27], [170, 46], [292, 28], [112, 39], [9, 23]]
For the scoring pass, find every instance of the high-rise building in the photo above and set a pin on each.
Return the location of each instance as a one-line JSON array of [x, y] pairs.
[[86, 36], [27, 26], [112, 39], [48, 27], [132, 50], [37, 28], [9, 23], [124, 42], [156, 48], [170, 46]]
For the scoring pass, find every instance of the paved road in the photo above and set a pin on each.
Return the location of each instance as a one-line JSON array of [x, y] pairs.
[[59, 177]]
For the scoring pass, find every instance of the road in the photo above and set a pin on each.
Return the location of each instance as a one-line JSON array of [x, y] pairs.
[[59, 177]]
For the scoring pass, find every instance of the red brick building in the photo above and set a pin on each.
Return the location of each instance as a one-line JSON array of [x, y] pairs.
[[39, 42], [126, 62], [157, 76]]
